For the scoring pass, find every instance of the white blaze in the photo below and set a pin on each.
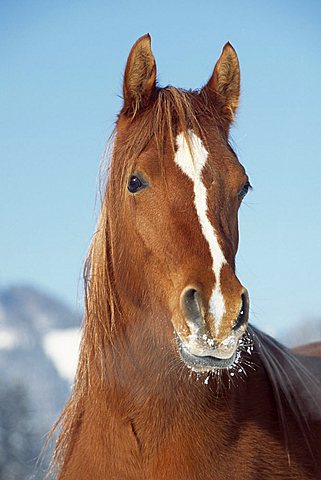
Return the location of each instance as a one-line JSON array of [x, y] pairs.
[[192, 160]]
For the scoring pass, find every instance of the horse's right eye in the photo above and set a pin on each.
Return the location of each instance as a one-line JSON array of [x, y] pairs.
[[136, 183], [244, 190]]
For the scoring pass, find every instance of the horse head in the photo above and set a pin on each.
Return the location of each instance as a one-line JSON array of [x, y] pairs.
[[175, 187]]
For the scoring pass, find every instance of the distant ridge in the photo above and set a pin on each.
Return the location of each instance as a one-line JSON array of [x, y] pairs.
[[307, 331]]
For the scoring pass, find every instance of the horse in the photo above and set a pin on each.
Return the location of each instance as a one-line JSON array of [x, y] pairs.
[[173, 382]]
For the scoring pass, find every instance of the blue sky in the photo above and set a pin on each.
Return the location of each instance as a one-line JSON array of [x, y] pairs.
[[61, 77]]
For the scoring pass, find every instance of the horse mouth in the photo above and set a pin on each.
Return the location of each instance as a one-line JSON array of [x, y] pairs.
[[205, 363]]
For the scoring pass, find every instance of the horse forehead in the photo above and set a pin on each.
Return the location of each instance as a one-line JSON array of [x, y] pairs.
[[191, 155]]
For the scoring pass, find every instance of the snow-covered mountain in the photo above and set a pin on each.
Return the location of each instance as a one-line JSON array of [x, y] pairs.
[[39, 339]]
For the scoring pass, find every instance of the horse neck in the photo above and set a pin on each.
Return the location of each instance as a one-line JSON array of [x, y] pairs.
[[146, 383]]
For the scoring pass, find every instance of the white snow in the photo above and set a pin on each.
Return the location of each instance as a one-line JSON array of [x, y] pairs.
[[62, 346], [8, 339]]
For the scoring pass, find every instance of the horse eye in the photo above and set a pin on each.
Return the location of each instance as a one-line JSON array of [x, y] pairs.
[[136, 184], [246, 187]]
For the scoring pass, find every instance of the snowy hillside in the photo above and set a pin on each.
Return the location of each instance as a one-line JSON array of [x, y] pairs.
[[39, 339]]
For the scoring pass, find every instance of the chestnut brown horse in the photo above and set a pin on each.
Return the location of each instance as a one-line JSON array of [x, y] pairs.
[[173, 383]]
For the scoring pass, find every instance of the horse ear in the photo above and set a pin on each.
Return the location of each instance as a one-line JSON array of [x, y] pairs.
[[140, 76], [225, 83]]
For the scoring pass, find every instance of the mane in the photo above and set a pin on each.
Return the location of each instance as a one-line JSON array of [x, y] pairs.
[[294, 386], [103, 318]]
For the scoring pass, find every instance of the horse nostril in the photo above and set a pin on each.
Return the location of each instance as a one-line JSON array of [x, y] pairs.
[[244, 312], [191, 305]]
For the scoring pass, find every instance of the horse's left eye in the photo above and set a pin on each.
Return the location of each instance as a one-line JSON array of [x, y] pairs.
[[136, 183], [246, 187]]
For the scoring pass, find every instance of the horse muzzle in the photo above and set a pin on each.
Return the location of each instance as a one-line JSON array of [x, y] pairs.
[[199, 347]]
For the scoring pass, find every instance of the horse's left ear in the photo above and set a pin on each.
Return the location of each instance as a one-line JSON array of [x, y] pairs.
[[225, 84], [140, 76]]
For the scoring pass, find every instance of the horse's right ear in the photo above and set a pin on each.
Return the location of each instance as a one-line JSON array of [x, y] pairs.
[[140, 76]]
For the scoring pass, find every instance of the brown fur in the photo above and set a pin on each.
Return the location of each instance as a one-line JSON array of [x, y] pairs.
[[225, 83], [136, 411], [140, 75]]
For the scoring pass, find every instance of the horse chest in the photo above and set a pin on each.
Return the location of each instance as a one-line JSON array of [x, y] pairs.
[[190, 448]]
